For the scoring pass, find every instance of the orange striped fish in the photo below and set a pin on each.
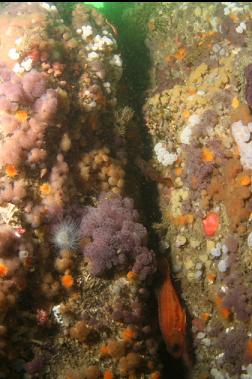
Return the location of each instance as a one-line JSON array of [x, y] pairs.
[[172, 318]]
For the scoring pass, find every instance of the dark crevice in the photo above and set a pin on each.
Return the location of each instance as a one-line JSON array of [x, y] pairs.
[[136, 81]]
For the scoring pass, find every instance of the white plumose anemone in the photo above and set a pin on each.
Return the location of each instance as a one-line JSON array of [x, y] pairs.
[[66, 235]]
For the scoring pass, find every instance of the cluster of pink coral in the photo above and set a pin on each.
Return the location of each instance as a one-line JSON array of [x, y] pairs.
[[28, 108]]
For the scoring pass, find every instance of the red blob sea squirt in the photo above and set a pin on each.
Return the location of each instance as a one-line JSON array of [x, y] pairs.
[[211, 224]]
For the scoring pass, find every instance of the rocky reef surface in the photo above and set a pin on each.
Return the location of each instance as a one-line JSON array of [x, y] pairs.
[[198, 113], [80, 143]]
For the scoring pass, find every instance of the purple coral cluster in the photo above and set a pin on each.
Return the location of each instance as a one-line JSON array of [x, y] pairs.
[[238, 297], [115, 238], [23, 138], [233, 344]]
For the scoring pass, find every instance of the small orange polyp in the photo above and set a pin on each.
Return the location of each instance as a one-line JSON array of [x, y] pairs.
[[104, 350], [178, 171], [186, 114], [235, 103], [128, 334], [155, 375], [191, 91], [205, 316], [211, 277], [3, 270], [218, 300], [207, 155], [45, 189], [249, 347], [131, 275], [67, 281], [21, 115], [108, 375], [10, 170], [225, 312], [180, 54], [245, 180]]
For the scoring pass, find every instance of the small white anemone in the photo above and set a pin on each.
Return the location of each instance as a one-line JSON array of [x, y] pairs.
[[66, 235]]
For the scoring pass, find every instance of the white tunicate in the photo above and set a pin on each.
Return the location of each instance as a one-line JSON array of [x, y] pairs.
[[239, 29], [206, 342], [224, 289], [164, 156], [87, 31], [198, 274], [201, 335], [18, 69], [176, 267], [107, 41], [248, 372], [92, 104], [92, 56], [18, 41], [242, 135], [107, 87], [45, 6], [215, 252], [186, 133], [23, 254], [100, 43], [223, 265], [245, 376], [13, 54], [57, 314], [201, 92], [180, 240], [216, 374], [118, 286], [116, 60], [224, 249], [249, 369], [199, 266], [48, 7], [27, 64], [243, 25], [219, 358], [216, 48], [249, 240]]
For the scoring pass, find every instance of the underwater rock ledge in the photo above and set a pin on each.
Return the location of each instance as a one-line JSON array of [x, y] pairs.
[[198, 112], [65, 310]]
